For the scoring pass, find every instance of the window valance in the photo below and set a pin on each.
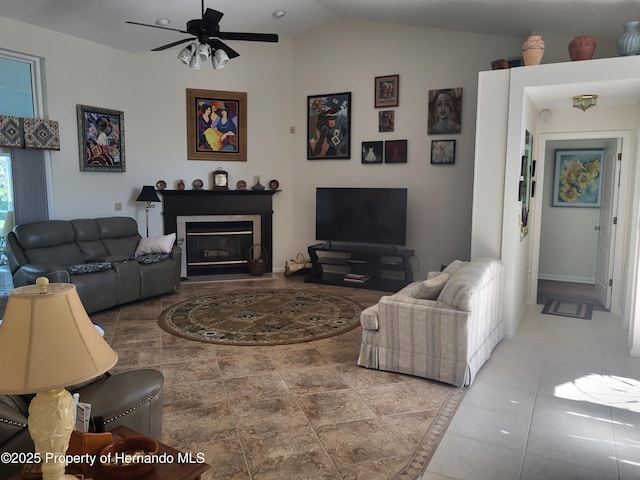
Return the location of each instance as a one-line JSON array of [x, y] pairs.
[[29, 133]]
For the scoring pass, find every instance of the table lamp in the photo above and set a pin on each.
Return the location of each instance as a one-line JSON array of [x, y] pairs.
[[148, 194], [47, 342]]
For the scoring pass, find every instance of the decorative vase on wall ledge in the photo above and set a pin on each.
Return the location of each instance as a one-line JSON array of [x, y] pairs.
[[582, 47], [533, 50], [629, 40]]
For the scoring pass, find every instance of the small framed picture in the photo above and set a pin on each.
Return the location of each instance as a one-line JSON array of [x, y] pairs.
[[387, 90], [386, 121], [372, 152], [395, 151], [445, 111], [443, 151]]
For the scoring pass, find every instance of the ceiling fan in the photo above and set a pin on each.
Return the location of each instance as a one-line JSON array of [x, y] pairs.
[[207, 30]]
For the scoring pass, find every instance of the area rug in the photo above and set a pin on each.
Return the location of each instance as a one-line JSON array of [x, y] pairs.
[[566, 308], [419, 460], [261, 317]]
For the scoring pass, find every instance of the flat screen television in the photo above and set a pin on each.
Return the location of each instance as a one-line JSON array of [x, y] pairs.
[[362, 215]]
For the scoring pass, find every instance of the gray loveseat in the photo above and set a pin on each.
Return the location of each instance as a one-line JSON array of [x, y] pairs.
[[96, 255]]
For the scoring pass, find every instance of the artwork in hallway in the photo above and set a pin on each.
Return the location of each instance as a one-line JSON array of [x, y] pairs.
[[577, 181]]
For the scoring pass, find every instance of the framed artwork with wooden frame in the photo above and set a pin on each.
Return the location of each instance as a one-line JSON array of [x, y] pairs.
[[101, 139], [387, 91], [329, 126], [216, 125]]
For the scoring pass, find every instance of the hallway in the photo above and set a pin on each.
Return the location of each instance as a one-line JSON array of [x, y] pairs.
[[575, 292]]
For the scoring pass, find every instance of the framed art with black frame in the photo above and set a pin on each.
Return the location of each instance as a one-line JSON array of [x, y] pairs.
[[443, 152], [372, 152], [395, 151], [101, 139], [329, 126]]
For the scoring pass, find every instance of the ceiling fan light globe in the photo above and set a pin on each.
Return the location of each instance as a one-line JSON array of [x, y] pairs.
[[219, 59], [195, 62], [204, 50], [186, 53]]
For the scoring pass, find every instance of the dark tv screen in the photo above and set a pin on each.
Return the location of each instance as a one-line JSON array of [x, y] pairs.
[[362, 215]]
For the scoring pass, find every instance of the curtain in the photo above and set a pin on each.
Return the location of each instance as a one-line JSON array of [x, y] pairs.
[[29, 186]]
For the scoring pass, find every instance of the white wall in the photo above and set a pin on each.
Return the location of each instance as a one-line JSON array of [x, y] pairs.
[[342, 56]]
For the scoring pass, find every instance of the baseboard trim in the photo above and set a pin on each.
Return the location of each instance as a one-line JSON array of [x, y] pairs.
[[566, 278]]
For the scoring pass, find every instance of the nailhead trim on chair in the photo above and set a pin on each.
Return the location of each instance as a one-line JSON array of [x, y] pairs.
[[128, 411], [12, 422]]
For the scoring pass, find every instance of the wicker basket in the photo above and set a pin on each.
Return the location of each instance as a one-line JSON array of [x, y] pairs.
[[258, 263]]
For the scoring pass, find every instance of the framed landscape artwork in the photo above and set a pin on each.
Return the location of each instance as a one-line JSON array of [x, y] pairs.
[[387, 91], [395, 151], [329, 126], [101, 139], [577, 180], [216, 125]]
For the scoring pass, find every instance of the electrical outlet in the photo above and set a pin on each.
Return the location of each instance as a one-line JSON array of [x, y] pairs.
[[118, 206]]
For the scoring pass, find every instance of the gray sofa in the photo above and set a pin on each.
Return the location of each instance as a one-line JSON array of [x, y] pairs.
[[96, 255], [444, 328]]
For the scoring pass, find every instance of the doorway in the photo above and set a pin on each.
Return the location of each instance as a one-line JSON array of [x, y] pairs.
[[568, 260]]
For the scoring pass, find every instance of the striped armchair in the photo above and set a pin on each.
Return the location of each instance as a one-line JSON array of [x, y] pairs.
[[444, 328]]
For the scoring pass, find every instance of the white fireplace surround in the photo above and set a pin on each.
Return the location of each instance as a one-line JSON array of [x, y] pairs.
[[181, 230]]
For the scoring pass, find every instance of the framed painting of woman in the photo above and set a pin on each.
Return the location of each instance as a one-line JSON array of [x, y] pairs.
[[216, 125], [101, 139]]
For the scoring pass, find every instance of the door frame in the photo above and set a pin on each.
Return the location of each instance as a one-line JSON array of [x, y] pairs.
[[623, 195]]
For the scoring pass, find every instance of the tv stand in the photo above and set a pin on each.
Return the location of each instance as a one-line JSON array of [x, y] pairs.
[[361, 266]]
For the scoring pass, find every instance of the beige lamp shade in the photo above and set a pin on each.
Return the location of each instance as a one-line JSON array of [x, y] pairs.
[[47, 340]]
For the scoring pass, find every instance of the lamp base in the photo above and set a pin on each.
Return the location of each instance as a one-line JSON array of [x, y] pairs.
[[50, 426]]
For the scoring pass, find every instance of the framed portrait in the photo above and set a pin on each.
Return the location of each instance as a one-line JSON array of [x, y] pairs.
[[443, 152], [387, 91], [216, 125], [577, 181], [445, 111], [101, 139], [372, 152], [329, 126], [386, 121], [395, 151]]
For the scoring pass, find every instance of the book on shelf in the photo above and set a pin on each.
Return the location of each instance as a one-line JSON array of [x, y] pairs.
[[355, 277]]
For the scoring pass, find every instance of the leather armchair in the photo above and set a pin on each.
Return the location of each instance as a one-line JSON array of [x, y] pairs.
[[133, 399]]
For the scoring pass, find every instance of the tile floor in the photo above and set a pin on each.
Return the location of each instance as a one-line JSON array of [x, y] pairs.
[[559, 401]]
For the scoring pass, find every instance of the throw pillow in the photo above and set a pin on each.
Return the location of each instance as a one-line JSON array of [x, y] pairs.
[[87, 268], [430, 289], [161, 244], [150, 258], [454, 266]]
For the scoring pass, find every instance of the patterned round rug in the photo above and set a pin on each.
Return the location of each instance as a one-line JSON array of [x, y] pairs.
[[261, 317]]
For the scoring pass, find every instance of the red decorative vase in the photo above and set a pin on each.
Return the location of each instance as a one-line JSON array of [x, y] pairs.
[[582, 47]]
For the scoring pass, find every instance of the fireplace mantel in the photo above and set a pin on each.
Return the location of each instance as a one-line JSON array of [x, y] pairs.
[[179, 203]]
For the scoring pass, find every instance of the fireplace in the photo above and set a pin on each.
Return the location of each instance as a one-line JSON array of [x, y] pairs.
[[216, 228], [216, 244]]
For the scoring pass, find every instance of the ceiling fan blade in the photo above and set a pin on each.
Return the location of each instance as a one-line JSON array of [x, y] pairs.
[[210, 20], [216, 44], [250, 37], [157, 26], [169, 45]]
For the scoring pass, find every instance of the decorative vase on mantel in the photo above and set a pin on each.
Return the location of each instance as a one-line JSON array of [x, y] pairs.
[[533, 50], [582, 47], [629, 41]]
